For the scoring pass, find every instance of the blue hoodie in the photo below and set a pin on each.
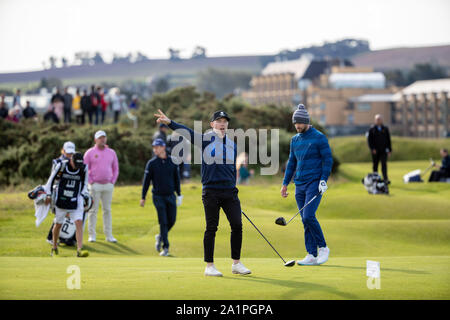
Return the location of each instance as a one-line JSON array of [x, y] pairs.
[[309, 158]]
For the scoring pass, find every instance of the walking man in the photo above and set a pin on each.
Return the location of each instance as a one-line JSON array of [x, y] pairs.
[[218, 173], [379, 141], [166, 180], [310, 163], [103, 172]]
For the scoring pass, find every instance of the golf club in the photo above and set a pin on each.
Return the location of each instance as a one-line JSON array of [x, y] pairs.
[[282, 222], [286, 264]]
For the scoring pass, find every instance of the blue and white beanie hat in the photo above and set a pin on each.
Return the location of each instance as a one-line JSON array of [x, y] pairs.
[[300, 115]]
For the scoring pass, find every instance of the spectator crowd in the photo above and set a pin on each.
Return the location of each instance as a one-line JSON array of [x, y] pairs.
[[84, 107]]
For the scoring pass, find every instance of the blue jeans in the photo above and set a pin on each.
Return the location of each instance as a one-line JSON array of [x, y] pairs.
[[166, 207], [313, 232]]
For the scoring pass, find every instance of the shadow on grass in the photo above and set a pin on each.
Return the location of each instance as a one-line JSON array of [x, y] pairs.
[[382, 269], [297, 287], [114, 247]]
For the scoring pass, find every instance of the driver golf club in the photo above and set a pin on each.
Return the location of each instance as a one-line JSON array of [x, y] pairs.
[[286, 264], [282, 222]]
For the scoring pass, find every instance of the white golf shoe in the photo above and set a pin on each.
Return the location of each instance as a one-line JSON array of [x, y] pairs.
[[164, 253], [212, 271], [309, 260], [322, 257], [111, 239], [239, 268]]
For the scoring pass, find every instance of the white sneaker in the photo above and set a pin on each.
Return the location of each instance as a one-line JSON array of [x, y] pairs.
[[111, 239], [309, 260], [322, 257], [212, 271], [239, 268], [92, 239], [164, 253], [158, 242]]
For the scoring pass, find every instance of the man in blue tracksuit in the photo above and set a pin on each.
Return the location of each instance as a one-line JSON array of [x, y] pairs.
[[166, 181], [310, 162], [218, 173]]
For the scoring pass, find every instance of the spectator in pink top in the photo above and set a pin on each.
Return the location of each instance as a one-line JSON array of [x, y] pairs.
[[103, 172]]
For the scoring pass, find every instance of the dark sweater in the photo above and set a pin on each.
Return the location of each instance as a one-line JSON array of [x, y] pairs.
[[164, 175], [379, 140], [219, 169]]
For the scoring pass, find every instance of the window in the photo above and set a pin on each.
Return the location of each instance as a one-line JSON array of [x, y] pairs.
[[350, 118], [322, 106], [322, 119], [363, 106]]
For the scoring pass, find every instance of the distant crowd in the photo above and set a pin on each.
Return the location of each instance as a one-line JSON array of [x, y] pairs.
[[64, 107]]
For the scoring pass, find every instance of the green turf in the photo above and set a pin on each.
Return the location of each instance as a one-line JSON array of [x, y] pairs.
[[407, 231]]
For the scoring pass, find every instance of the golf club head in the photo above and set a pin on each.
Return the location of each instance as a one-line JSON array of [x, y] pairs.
[[280, 221], [290, 263]]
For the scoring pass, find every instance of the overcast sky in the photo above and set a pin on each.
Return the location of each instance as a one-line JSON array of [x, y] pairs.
[[31, 31]]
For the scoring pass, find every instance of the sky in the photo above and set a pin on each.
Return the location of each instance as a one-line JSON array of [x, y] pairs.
[[32, 31]]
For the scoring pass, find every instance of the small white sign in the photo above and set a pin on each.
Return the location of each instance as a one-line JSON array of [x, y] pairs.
[[373, 269]]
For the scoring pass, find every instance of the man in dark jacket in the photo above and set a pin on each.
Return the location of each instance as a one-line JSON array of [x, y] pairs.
[[95, 104], [50, 115], [67, 105], [3, 107], [86, 107], [218, 172], [29, 111], [379, 141], [444, 169], [163, 173]]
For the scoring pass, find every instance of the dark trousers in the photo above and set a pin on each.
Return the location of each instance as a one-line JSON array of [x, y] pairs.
[[116, 116], [313, 232], [227, 199], [67, 115], [90, 113], [376, 158], [103, 116], [96, 114], [166, 207], [437, 175]]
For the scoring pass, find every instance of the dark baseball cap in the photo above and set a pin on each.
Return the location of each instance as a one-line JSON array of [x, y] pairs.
[[220, 114], [78, 159], [159, 142]]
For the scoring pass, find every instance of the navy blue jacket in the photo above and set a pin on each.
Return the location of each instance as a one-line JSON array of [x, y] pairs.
[[218, 157], [165, 177], [309, 158]]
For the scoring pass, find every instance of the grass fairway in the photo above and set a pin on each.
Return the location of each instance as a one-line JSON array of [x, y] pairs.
[[407, 232]]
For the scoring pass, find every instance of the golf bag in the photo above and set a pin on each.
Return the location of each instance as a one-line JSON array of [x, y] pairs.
[[67, 234], [374, 184], [416, 175]]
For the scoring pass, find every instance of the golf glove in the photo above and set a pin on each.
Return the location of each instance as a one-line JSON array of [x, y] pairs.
[[322, 186], [179, 200]]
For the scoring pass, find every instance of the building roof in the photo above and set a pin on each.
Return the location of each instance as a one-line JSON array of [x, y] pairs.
[[357, 80], [381, 97], [428, 86], [297, 67], [425, 87]]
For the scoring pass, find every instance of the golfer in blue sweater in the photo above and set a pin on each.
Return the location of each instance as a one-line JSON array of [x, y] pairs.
[[219, 187], [309, 164]]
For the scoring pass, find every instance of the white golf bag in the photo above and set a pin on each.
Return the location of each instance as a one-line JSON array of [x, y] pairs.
[[374, 184]]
